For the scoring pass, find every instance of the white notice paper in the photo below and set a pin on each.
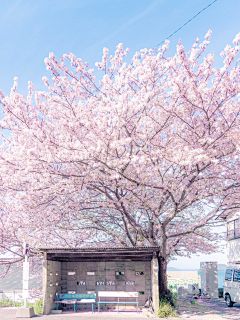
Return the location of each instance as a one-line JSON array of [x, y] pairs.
[[26, 270], [25, 294], [25, 285]]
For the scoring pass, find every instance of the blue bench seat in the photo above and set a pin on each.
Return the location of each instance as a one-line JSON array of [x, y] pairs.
[[75, 298]]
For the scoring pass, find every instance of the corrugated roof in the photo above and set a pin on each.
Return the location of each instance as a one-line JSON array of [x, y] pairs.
[[96, 248], [99, 254]]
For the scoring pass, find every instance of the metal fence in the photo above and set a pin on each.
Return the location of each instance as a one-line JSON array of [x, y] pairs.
[[13, 295]]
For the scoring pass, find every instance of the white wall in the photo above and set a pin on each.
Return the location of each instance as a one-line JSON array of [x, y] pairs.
[[233, 246], [233, 250], [233, 216]]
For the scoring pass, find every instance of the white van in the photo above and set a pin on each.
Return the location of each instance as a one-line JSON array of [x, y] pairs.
[[231, 284]]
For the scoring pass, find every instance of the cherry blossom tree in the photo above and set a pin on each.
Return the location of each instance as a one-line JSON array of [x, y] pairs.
[[147, 156]]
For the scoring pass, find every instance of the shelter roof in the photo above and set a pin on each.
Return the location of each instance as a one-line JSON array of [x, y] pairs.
[[100, 254], [222, 215], [225, 215]]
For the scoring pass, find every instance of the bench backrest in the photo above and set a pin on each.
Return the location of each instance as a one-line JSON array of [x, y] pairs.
[[118, 294], [76, 296]]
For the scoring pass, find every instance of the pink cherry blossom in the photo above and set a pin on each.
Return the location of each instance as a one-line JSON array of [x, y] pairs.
[[145, 155]]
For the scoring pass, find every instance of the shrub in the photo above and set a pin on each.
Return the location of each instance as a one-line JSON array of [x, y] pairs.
[[37, 305], [174, 296], [10, 303], [166, 310]]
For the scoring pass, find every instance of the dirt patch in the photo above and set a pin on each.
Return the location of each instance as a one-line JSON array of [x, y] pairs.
[[207, 309], [186, 308]]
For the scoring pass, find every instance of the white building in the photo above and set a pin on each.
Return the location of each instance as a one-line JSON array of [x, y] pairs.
[[232, 237]]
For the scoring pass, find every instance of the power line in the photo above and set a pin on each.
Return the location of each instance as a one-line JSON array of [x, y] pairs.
[[183, 25], [186, 23]]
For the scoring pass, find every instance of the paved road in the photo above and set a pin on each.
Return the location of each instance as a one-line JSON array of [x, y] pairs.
[[219, 311], [10, 314]]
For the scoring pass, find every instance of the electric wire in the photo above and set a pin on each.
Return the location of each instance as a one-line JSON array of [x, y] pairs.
[[186, 23]]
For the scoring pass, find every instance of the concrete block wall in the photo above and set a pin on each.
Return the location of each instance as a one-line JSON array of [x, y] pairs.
[[105, 271], [51, 284]]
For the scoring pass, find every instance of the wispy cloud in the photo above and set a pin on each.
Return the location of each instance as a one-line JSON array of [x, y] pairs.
[[12, 8], [129, 23]]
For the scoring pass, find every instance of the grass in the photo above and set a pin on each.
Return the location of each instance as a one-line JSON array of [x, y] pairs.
[[195, 303], [37, 305]]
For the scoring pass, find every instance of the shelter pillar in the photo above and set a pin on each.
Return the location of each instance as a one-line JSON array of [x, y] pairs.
[[51, 283], [45, 307], [154, 283]]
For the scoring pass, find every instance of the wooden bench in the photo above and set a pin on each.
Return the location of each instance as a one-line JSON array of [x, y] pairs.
[[75, 298], [117, 294]]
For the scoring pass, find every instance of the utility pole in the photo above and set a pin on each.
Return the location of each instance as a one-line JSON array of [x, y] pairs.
[[25, 273], [25, 312]]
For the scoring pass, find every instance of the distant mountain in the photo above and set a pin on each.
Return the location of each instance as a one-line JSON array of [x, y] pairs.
[[221, 267], [177, 269], [172, 269]]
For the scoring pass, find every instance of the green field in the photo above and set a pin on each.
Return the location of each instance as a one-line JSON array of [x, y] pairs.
[[174, 282]]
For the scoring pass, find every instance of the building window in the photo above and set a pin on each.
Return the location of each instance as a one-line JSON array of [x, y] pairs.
[[233, 229]]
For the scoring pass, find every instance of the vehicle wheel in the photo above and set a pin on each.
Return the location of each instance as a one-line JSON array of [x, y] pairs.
[[229, 301]]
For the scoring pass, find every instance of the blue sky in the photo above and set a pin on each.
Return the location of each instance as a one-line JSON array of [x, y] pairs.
[[30, 29]]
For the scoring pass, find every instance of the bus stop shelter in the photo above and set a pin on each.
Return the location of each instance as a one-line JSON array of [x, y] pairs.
[[85, 270]]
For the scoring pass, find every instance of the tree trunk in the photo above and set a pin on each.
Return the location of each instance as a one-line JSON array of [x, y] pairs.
[[164, 292]]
